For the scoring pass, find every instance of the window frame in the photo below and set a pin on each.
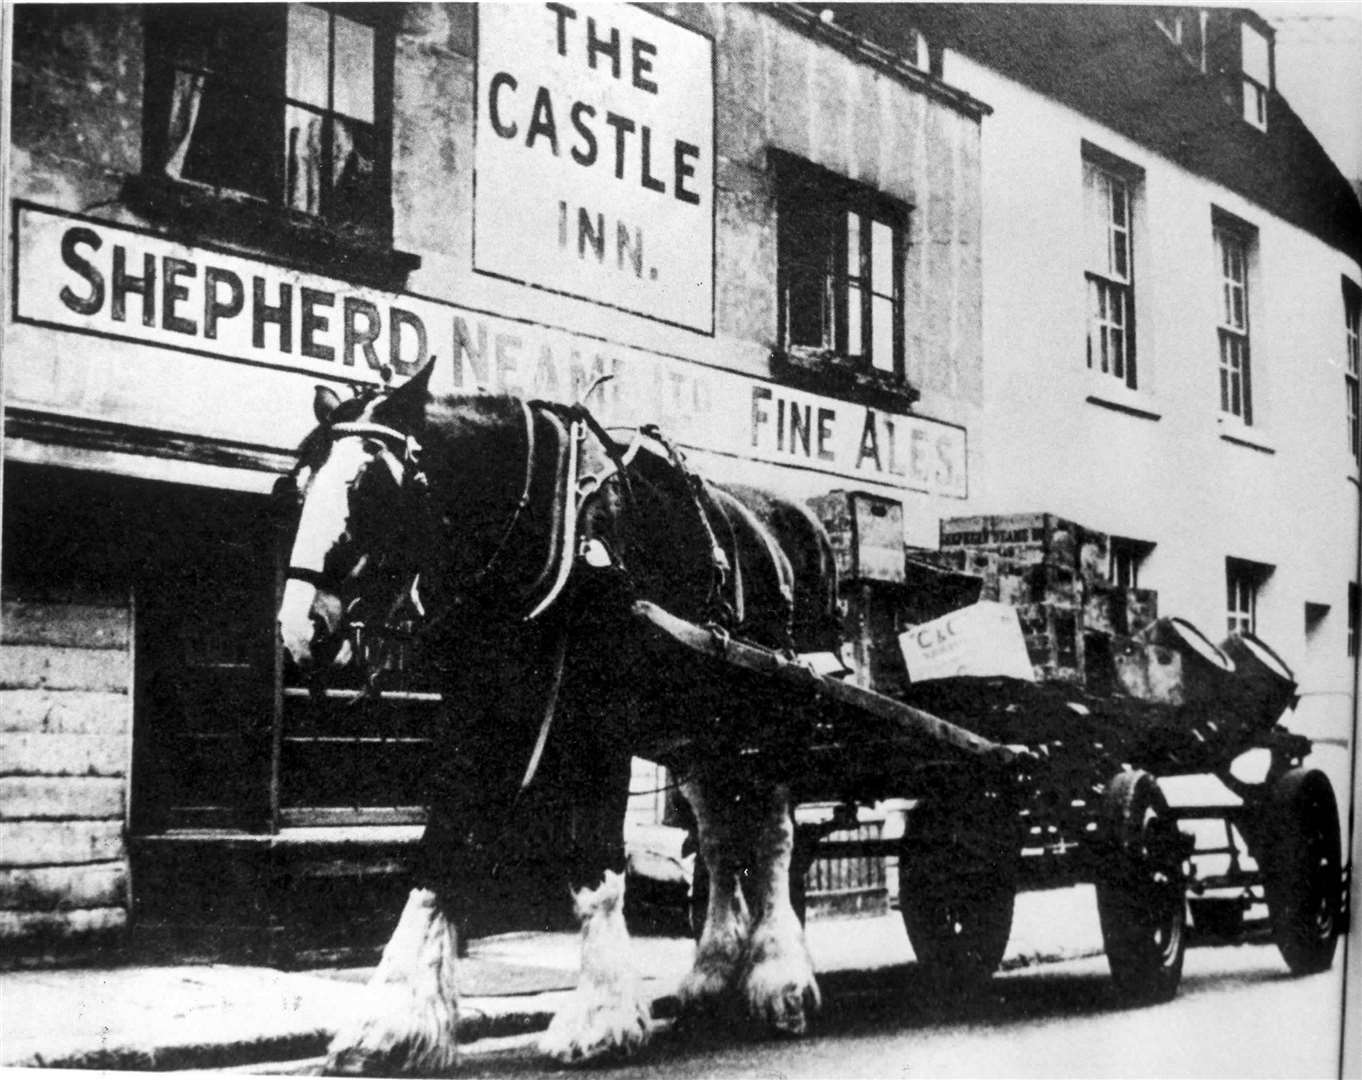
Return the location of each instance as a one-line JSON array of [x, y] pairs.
[[1255, 86], [1111, 280], [1125, 560], [1234, 327], [264, 86], [1352, 368], [1354, 616], [1244, 581], [809, 195]]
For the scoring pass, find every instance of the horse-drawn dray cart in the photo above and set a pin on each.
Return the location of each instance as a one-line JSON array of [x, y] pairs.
[[1018, 785], [583, 596]]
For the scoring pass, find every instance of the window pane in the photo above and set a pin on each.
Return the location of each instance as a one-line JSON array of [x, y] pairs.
[[1255, 53], [353, 192], [805, 305], [355, 70], [1118, 202], [854, 329], [882, 312], [1120, 260], [882, 258], [853, 224], [233, 142], [308, 53]]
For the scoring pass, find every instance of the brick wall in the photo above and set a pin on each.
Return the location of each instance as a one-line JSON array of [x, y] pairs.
[[65, 712]]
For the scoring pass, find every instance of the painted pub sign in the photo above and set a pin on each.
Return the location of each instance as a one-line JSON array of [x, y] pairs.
[[595, 157]]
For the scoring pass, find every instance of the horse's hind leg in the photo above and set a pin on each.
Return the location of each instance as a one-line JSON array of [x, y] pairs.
[[410, 1005], [779, 984], [712, 982]]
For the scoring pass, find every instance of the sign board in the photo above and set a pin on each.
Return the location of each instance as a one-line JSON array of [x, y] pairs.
[[982, 639], [595, 157], [93, 277]]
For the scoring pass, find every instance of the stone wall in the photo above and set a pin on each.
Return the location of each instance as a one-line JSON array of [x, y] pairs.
[[65, 715]]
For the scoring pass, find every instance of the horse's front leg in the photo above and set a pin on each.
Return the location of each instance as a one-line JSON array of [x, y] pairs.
[[410, 1007], [780, 986], [608, 1014], [712, 981]]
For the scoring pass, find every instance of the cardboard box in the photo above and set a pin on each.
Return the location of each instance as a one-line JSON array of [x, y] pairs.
[[982, 639], [866, 532]]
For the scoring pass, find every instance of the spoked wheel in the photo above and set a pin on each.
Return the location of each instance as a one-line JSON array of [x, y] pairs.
[[958, 885], [1301, 869], [1141, 883]]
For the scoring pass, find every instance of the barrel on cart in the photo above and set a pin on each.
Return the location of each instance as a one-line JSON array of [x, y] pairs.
[[1017, 784]]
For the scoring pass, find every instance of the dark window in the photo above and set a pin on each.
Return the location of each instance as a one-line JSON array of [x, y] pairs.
[[841, 251], [1244, 581], [285, 104], [1127, 557]]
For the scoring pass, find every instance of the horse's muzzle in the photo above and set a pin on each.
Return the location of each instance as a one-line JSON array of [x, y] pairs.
[[310, 622]]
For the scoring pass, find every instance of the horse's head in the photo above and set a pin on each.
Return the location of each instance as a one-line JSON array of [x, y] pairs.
[[353, 482]]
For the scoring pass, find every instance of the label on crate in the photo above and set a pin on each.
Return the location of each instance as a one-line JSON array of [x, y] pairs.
[[982, 639]]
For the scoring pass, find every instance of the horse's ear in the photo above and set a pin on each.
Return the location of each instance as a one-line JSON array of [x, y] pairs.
[[324, 403], [406, 406]]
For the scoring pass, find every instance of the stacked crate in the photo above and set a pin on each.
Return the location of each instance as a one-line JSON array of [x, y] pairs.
[[1055, 573]]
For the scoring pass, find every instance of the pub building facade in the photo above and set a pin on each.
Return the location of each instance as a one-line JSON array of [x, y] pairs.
[[765, 229]]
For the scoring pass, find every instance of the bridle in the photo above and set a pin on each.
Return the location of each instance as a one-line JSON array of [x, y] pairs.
[[400, 454]]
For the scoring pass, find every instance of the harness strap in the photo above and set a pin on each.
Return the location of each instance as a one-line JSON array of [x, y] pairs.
[[722, 567], [523, 501], [550, 707], [564, 530]]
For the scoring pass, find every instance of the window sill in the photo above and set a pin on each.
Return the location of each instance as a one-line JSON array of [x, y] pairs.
[[822, 371], [1124, 401], [195, 212], [1239, 433]]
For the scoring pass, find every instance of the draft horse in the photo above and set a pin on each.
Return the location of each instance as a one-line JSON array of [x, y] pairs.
[[518, 535]]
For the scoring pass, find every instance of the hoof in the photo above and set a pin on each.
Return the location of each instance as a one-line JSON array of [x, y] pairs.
[[710, 988], [410, 1007], [405, 1037], [608, 1016], [578, 1036], [780, 987]]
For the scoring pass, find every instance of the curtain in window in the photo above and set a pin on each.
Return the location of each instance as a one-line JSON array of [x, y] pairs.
[[185, 99], [304, 162]]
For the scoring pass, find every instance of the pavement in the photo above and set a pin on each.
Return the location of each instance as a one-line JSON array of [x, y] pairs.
[[231, 1016]]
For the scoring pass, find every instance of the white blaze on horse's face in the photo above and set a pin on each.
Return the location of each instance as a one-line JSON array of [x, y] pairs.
[[307, 614]]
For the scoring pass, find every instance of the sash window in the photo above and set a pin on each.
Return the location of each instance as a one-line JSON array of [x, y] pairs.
[[841, 253], [1110, 274], [1236, 391], [284, 104]]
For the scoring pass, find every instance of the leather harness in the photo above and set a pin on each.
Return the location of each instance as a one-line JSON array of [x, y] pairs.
[[399, 452]]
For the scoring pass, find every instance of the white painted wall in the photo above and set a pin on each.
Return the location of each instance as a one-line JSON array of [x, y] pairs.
[[1290, 501]]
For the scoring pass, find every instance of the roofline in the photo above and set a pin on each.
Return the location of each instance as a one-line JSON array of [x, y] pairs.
[[805, 18]]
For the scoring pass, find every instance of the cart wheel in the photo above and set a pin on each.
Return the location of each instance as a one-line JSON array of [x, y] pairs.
[[1141, 898], [957, 887], [1301, 870]]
